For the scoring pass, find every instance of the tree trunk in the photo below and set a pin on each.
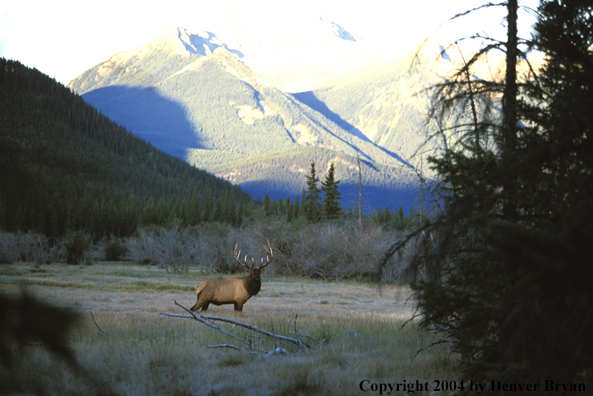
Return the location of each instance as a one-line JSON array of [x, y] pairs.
[[509, 112]]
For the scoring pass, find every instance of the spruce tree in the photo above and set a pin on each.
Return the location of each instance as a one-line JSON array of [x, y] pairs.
[[331, 205], [267, 205], [296, 209], [504, 262], [312, 206], [388, 217], [303, 200]]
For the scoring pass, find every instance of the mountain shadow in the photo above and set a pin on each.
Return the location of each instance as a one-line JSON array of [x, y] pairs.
[[309, 99], [148, 115]]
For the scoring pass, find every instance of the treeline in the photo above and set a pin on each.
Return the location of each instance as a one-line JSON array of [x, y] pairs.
[[64, 166]]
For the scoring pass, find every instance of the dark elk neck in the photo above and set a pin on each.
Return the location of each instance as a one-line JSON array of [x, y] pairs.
[[252, 285]]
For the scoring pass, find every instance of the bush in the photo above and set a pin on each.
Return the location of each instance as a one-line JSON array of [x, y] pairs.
[[141, 247], [172, 249], [331, 251], [29, 247], [115, 250], [76, 244]]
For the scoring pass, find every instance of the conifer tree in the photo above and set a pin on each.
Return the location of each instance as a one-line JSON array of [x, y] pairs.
[[312, 207], [296, 209], [504, 263], [267, 205], [208, 207], [388, 217], [232, 210], [331, 205], [303, 201]]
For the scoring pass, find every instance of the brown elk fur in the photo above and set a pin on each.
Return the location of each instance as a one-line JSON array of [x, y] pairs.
[[232, 291]]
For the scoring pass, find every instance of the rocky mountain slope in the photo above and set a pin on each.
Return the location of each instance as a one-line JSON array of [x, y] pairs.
[[192, 96]]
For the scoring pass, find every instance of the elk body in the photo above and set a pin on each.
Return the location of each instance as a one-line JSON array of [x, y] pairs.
[[235, 290]]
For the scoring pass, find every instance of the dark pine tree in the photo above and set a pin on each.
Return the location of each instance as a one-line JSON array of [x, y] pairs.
[[296, 209], [267, 205], [506, 264], [312, 207], [331, 204]]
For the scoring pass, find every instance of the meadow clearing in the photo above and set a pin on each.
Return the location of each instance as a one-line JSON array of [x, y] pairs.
[[126, 347]]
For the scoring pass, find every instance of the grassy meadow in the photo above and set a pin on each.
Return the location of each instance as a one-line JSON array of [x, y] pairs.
[[133, 350]]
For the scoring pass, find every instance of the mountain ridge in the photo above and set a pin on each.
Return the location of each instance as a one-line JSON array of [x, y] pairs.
[[225, 107]]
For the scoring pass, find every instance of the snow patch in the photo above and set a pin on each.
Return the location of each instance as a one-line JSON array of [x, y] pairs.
[[444, 53], [249, 114], [336, 29]]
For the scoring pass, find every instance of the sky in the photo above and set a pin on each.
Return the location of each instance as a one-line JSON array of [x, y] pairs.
[[63, 38]]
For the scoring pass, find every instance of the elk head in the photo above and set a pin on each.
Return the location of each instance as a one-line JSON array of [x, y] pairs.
[[235, 290], [253, 272]]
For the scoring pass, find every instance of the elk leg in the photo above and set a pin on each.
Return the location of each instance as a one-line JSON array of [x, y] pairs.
[[199, 304], [238, 307]]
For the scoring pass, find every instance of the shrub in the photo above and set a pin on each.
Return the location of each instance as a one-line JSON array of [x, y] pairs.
[[173, 249], [76, 244], [141, 247], [115, 250], [331, 251], [29, 247]]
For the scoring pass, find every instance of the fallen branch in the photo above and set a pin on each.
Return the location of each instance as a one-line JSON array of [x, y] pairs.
[[209, 321], [225, 346], [250, 327]]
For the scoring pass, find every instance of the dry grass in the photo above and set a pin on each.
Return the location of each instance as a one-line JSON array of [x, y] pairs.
[[145, 353]]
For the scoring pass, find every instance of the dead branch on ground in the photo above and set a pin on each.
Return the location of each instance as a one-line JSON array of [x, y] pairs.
[[209, 321]]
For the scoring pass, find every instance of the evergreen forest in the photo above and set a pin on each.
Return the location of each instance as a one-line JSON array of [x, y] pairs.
[[64, 166]]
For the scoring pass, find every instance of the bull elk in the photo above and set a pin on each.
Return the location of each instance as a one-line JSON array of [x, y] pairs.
[[235, 290]]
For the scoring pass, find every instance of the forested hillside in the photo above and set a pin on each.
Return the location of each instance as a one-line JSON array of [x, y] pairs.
[[64, 166], [210, 109]]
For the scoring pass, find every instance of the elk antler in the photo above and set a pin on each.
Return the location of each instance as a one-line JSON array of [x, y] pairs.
[[268, 258], [237, 257]]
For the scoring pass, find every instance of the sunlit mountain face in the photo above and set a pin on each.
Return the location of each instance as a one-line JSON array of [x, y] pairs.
[[257, 110]]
